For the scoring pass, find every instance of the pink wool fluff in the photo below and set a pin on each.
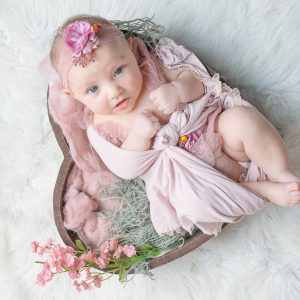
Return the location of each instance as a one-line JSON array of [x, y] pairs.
[[81, 208]]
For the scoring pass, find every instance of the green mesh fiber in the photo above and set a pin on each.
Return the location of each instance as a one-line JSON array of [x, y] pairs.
[[144, 28], [131, 222]]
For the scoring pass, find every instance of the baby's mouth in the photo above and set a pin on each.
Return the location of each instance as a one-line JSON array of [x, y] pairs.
[[121, 105]]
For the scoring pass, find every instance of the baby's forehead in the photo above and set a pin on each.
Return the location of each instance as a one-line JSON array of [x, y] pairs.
[[107, 56], [111, 53], [116, 46]]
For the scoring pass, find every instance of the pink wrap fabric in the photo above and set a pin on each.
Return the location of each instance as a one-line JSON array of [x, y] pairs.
[[183, 190]]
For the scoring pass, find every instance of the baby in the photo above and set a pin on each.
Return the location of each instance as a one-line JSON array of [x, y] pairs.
[[99, 67]]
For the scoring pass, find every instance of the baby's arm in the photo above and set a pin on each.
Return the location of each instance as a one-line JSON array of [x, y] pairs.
[[144, 127], [183, 87], [136, 142]]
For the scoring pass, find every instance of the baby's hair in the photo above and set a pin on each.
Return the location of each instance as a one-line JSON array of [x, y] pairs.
[[143, 28]]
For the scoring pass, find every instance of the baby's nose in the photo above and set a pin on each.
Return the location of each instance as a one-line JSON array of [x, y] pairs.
[[114, 90]]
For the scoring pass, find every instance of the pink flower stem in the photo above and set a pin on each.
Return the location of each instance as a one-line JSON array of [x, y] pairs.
[[98, 272], [108, 277]]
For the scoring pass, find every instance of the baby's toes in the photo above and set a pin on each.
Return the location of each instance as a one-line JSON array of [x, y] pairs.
[[295, 196], [294, 186], [293, 203]]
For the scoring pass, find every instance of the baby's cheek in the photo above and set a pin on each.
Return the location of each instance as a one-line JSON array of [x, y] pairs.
[[136, 82], [100, 108]]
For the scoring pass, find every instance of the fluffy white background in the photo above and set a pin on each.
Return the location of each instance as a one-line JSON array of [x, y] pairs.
[[254, 44]]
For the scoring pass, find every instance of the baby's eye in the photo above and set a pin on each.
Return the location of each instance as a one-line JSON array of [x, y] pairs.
[[92, 89], [119, 70]]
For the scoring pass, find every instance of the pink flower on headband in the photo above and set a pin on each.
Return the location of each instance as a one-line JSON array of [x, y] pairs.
[[80, 40]]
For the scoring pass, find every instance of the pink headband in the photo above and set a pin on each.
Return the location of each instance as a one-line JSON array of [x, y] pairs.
[[79, 40]]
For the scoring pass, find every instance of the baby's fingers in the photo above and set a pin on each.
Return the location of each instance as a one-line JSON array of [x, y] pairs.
[[154, 98], [155, 121], [164, 109], [147, 112]]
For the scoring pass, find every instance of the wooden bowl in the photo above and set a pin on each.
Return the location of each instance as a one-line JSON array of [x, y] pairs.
[[69, 236]]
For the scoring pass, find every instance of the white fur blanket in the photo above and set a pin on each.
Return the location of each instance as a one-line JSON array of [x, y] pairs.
[[254, 44]]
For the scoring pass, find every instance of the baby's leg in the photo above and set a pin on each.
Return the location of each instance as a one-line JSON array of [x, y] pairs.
[[281, 193], [247, 135]]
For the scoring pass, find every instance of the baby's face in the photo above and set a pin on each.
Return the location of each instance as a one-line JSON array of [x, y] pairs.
[[110, 85]]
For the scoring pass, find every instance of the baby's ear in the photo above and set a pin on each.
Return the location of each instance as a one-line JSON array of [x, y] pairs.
[[67, 92], [129, 42]]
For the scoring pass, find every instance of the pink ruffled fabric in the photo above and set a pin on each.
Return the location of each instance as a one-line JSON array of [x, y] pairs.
[[185, 191]]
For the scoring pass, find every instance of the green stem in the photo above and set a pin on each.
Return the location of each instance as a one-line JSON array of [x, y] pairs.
[[39, 262]]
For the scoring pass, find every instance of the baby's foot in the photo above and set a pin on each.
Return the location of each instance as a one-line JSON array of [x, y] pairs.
[[287, 176], [283, 193]]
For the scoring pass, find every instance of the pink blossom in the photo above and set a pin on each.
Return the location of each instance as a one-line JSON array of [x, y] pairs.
[[69, 249], [42, 251], [46, 266], [113, 244], [101, 263], [41, 281], [84, 257], [105, 256], [64, 259], [104, 248], [89, 256], [49, 243], [129, 250], [88, 274], [85, 285], [79, 37], [118, 252], [34, 246], [50, 261], [58, 266], [98, 281], [44, 276], [73, 275], [58, 251], [67, 260], [78, 263], [77, 285]]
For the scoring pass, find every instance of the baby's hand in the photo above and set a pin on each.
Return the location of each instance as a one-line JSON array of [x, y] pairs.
[[145, 124], [166, 98]]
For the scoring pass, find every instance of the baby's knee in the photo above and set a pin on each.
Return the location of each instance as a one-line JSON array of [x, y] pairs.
[[243, 112], [238, 118], [235, 125]]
